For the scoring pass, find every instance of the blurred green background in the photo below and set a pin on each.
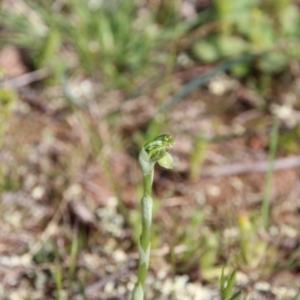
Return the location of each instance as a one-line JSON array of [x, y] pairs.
[[84, 84]]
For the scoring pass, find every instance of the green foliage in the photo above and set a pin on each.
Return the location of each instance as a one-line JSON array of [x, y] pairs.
[[7, 100], [73, 255], [252, 247], [253, 26], [197, 157], [218, 47], [47, 253], [288, 141], [58, 278], [210, 251], [103, 39], [227, 286], [114, 37]]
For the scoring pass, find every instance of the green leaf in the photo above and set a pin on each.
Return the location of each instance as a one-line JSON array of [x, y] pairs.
[[236, 295], [289, 17], [274, 62], [166, 161], [230, 46], [230, 284], [206, 51]]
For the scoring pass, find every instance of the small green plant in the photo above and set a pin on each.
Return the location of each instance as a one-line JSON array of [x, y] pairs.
[[227, 285], [273, 24], [7, 99], [97, 33], [58, 277], [252, 247], [152, 152]]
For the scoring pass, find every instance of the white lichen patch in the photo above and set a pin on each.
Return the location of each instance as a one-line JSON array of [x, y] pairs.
[[180, 289], [112, 220]]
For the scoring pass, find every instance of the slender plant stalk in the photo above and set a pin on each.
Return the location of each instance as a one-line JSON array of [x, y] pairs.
[[268, 186], [152, 152]]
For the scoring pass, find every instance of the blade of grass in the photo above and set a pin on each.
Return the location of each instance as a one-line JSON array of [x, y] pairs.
[[227, 286], [236, 295], [203, 79], [230, 285], [265, 211], [58, 281], [74, 252], [222, 282]]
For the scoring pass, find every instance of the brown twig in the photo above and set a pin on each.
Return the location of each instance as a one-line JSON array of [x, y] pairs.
[[25, 79], [243, 168]]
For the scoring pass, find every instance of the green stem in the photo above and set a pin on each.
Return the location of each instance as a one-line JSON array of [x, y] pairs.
[[152, 152], [268, 185], [145, 239]]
